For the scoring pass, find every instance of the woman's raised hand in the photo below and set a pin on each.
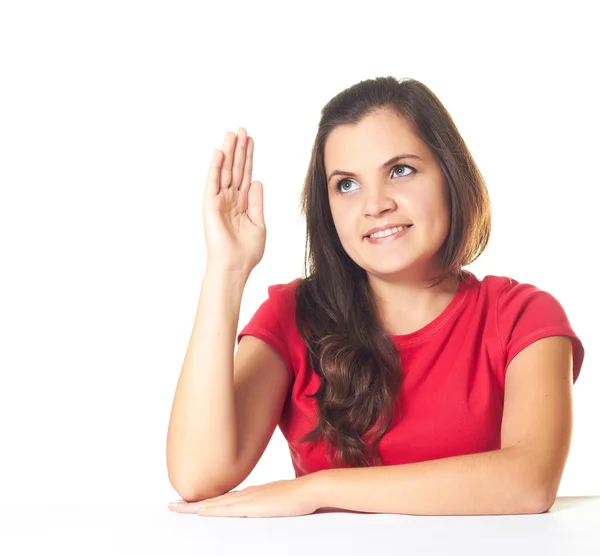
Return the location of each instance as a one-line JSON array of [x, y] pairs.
[[232, 212]]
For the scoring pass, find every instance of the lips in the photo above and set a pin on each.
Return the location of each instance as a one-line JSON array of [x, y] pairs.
[[383, 228]]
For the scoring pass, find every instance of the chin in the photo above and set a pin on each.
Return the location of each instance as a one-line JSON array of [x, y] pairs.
[[388, 269]]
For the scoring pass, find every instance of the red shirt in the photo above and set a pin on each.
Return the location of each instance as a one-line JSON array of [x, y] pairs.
[[454, 369]]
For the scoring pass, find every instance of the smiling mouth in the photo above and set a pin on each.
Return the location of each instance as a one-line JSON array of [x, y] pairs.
[[388, 233]]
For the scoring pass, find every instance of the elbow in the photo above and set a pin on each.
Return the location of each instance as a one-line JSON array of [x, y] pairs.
[[539, 488], [197, 494], [197, 491], [539, 501], [194, 493], [190, 486], [544, 500]]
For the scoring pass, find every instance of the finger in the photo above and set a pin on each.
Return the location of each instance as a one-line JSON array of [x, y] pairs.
[[255, 204], [225, 510], [214, 172], [228, 495], [228, 146], [240, 158], [185, 509], [247, 177], [207, 501]]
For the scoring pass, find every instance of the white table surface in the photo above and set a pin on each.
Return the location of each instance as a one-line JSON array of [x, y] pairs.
[[571, 527]]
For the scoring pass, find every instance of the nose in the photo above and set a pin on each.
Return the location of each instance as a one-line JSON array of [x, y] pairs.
[[378, 201]]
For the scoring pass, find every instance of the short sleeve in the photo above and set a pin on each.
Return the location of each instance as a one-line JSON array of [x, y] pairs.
[[270, 323], [526, 314]]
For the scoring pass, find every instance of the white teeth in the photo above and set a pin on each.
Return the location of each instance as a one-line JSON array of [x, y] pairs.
[[386, 233]]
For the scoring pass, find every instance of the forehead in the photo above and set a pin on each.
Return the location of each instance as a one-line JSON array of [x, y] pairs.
[[373, 140]]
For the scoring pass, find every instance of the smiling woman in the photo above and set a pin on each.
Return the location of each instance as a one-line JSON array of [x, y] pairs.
[[392, 346], [393, 160], [388, 355]]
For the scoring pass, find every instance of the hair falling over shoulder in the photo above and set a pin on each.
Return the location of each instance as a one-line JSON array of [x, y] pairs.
[[336, 315]]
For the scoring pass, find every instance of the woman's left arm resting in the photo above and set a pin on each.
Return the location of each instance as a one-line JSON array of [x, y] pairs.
[[523, 476], [485, 483]]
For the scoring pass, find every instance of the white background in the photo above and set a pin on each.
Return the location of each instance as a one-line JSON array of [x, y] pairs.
[[109, 114]]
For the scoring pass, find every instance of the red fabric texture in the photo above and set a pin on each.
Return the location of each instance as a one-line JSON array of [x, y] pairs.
[[454, 369]]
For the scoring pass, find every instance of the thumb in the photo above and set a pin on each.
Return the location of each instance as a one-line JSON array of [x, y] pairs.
[[255, 204]]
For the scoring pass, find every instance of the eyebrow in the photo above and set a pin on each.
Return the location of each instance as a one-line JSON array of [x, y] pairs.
[[383, 166]]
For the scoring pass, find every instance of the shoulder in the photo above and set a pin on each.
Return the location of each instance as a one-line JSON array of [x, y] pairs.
[[513, 297], [284, 290], [515, 300], [525, 313], [508, 293], [283, 296], [278, 308], [494, 285]]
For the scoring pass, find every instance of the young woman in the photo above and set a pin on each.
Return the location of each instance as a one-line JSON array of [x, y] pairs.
[[401, 381]]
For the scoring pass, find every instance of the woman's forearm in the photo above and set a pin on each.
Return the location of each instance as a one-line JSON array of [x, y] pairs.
[[487, 483], [202, 435]]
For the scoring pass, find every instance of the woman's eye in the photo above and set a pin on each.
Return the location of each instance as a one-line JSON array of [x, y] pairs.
[[342, 182], [340, 185], [404, 166]]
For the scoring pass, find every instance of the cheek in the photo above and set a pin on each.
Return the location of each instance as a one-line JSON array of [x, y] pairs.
[[432, 211], [347, 229], [346, 233]]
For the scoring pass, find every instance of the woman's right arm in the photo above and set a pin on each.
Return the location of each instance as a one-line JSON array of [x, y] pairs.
[[202, 438], [202, 441]]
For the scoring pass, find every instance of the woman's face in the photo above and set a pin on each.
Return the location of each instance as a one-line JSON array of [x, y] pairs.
[[395, 194]]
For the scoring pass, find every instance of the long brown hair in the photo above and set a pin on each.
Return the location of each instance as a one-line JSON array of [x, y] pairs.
[[336, 315]]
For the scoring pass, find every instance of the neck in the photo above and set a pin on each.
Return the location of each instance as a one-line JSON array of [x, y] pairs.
[[407, 306]]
